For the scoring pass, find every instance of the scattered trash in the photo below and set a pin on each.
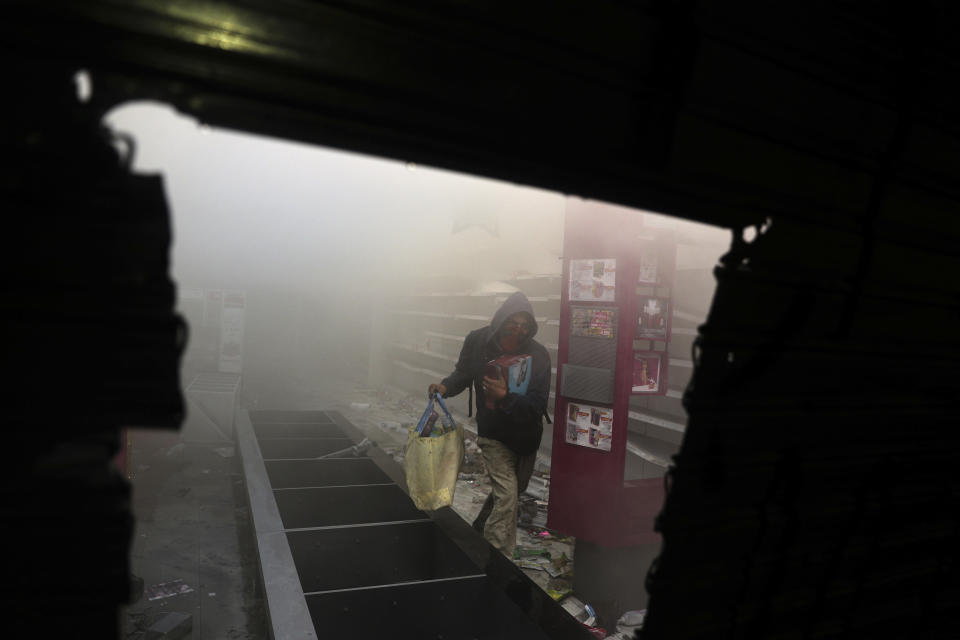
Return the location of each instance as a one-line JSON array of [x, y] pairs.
[[167, 590], [542, 533], [177, 448], [560, 567], [359, 406], [529, 552], [574, 607], [537, 564], [205, 471], [535, 518], [394, 452], [532, 513], [212, 593], [591, 615], [356, 450], [170, 627], [225, 452], [630, 621], [563, 585], [584, 614], [537, 491], [558, 594], [391, 426], [142, 467], [633, 618], [473, 464], [527, 508], [538, 487]]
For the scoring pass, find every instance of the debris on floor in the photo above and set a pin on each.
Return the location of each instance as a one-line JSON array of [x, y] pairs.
[[628, 624], [224, 452], [598, 632], [559, 594], [529, 552], [175, 449], [575, 607], [543, 564], [357, 450], [537, 564], [552, 568], [170, 627], [532, 512], [584, 614], [390, 425], [167, 590], [542, 533], [472, 460], [560, 567], [538, 487], [394, 452]]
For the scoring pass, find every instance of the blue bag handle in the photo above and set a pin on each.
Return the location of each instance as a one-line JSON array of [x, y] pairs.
[[426, 414], [444, 407]]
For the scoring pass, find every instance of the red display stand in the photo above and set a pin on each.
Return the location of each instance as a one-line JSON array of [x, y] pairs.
[[611, 262]]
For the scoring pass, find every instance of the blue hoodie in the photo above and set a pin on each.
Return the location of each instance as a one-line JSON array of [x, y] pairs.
[[517, 419]]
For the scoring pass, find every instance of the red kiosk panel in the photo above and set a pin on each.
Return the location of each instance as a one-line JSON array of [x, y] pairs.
[[611, 262]]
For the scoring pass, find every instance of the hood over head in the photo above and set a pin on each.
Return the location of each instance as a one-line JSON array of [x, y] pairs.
[[516, 303]]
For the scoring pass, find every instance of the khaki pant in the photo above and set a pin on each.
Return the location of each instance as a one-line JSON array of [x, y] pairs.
[[509, 476]]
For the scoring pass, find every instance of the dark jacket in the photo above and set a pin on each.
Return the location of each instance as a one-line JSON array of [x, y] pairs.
[[517, 420]]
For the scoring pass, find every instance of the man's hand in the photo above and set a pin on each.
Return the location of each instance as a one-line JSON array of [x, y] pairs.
[[436, 388], [495, 388]]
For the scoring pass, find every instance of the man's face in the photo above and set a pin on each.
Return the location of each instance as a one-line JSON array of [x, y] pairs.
[[517, 326]]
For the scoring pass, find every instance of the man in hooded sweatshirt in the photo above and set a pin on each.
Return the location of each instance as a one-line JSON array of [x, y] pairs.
[[509, 433]]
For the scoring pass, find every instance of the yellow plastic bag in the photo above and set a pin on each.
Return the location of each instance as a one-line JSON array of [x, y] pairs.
[[432, 465]]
